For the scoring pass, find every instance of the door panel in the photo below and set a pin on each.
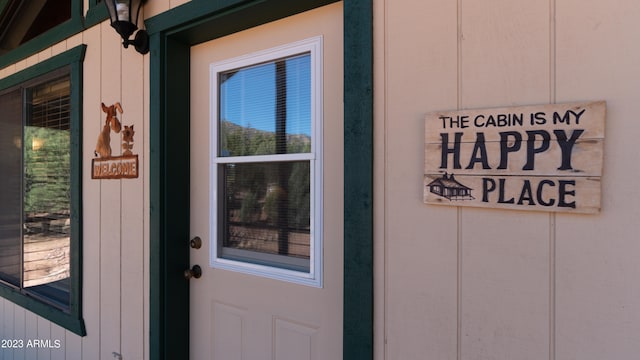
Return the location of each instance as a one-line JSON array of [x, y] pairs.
[[243, 316]]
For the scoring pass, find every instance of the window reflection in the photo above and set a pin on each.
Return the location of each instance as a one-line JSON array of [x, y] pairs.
[[47, 192], [266, 109]]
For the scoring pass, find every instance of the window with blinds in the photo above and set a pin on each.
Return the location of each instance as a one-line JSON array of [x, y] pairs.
[[35, 208], [47, 189], [266, 165]]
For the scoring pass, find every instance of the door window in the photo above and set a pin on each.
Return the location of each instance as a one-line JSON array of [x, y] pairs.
[[266, 164]]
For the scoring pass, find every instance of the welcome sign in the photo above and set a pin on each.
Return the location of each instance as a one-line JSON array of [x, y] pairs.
[[545, 158]]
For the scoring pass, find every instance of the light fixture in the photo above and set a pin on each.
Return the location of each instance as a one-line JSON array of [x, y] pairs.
[[124, 18]]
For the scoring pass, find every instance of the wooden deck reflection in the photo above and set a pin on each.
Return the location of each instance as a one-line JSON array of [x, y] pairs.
[[46, 259]]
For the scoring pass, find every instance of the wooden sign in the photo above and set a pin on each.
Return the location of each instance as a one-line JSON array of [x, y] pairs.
[[545, 158], [117, 167], [107, 166]]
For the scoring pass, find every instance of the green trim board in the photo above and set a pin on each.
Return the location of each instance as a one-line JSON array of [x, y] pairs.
[[202, 20], [72, 320], [358, 180], [169, 199], [172, 34], [71, 56], [186, 15], [97, 13]]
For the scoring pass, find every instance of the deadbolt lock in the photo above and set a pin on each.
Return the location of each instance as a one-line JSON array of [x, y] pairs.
[[196, 243]]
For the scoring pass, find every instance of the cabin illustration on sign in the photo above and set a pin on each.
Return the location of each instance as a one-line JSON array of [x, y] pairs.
[[448, 187]]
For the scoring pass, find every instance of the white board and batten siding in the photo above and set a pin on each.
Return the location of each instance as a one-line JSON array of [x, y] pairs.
[[460, 282], [451, 282], [115, 212]]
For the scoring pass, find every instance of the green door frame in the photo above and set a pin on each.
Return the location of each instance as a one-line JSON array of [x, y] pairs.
[[172, 35]]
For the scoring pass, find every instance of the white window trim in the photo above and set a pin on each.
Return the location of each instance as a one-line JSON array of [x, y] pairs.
[[314, 276]]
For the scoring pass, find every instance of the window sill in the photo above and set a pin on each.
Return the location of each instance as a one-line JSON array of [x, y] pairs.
[[270, 272]]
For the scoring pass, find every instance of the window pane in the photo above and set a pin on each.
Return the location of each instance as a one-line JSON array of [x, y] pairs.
[[47, 187], [10, 163], [266, 109], [266, 211]]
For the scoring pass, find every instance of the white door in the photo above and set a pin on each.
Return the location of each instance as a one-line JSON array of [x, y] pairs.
[[266, 191]]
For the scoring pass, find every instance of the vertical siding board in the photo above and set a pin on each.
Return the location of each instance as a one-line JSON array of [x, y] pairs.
[[132, 212], [8, 323], [505, 53], [58, 333], [44, 333], [30, 333], [31, 60], [3, 327], [72, 346], [6, 319], [74, 41], [92, 123], [4, 72], [44, 54], [152, 8], [19, 330], [110, 205], [598, 306], [175, 3], [505, 255], [20, 65], [421, 256], [504, 285], [59, 48]]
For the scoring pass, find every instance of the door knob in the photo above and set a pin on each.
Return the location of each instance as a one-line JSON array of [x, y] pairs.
[[194, 272]]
